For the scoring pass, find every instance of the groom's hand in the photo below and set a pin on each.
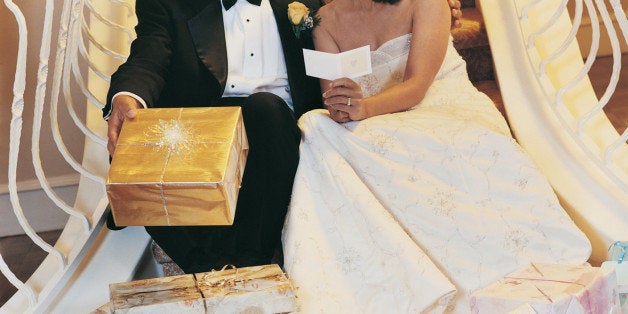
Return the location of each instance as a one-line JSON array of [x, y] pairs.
[[123, 106], [456, 13]]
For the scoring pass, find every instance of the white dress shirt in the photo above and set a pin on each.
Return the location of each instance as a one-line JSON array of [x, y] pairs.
[[254, 53], [255, 58]]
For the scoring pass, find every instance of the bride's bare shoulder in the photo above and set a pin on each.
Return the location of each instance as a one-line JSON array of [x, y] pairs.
[[332, 12], [328, 8]]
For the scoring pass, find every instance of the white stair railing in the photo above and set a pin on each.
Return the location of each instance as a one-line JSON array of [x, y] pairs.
[[90, 42], [549, 100], [553, 109]]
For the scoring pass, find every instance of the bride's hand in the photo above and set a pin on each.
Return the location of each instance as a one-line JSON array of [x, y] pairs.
[[337, 115], [343, 99]]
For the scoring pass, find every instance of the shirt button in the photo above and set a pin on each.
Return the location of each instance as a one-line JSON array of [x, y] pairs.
[[232, 86], [251, 54], [248, 20]]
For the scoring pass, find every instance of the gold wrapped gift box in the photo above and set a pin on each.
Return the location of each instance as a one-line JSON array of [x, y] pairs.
[[256, 289], [178, 167]]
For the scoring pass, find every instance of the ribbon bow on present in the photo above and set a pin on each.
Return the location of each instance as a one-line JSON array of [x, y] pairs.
[[247, 281], [618, 251]]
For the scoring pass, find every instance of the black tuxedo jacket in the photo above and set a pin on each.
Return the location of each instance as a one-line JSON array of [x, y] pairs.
[[179, 58]]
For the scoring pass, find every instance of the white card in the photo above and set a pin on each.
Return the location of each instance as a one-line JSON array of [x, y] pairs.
[[331, 66]]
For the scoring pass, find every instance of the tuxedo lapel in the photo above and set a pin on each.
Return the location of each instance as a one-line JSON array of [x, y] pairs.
[[208, 34], [304, 90], [284, 26], [280, 10]]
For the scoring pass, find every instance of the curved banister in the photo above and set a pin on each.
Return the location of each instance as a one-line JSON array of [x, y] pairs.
[[17, 109], [38, 113], [55, 285], [586, 165], [557, 13], [620, 16], [610, 89], [568, 137], [595, 40], [570, 38]]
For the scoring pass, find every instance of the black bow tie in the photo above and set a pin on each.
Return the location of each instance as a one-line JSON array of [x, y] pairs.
[[229, 3]]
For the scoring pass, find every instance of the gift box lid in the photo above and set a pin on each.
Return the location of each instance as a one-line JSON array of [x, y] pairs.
[[187, 145]]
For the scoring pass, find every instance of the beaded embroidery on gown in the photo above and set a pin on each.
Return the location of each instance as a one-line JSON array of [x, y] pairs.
[[413, 211]]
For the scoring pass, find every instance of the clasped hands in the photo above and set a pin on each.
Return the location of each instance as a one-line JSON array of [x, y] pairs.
[[344, 100]]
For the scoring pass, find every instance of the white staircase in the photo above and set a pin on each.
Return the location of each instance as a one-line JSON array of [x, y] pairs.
[[548, 99]]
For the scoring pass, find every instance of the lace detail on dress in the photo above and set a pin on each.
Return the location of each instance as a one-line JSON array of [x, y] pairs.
[[389, 65]]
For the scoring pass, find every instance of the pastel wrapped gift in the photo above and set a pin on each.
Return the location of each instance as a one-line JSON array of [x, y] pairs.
[[550, 288], [619, 262], [178, 167], [256, 289]]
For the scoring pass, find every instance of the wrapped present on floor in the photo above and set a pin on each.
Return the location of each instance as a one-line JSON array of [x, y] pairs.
[[618, 261], [256, 289], [178, 167], [550, 288], [175, 294]]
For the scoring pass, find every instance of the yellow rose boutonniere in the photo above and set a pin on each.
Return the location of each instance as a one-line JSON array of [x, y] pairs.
[[301, 18]]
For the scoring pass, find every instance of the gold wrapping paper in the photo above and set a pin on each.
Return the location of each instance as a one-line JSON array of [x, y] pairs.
[[178, 167], [256, 289]]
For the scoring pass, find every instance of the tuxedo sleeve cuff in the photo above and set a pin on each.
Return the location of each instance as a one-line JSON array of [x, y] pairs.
[[138, 98]]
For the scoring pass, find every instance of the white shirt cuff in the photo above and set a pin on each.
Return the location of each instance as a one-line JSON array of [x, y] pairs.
[[138, 98]]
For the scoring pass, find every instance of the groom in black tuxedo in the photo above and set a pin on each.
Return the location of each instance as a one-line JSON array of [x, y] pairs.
[[191, 53]]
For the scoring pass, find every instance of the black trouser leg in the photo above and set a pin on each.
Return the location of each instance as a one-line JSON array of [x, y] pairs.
[[267, 185]]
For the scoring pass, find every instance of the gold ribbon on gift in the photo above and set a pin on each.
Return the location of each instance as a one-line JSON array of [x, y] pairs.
[[227, 282], [252, 279], [175, 137]]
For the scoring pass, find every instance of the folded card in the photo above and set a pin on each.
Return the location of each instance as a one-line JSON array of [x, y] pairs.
[[331, 66]]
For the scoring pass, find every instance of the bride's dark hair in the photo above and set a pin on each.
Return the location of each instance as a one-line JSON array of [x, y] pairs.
[[387, 1]]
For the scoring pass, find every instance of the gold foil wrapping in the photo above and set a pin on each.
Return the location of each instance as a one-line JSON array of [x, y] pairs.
[[255, 289], [178, 167]]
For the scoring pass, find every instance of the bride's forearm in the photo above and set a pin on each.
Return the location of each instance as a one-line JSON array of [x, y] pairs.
[[397, 98]]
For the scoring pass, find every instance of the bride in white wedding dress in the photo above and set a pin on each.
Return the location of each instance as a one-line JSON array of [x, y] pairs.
[[426, 198]]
